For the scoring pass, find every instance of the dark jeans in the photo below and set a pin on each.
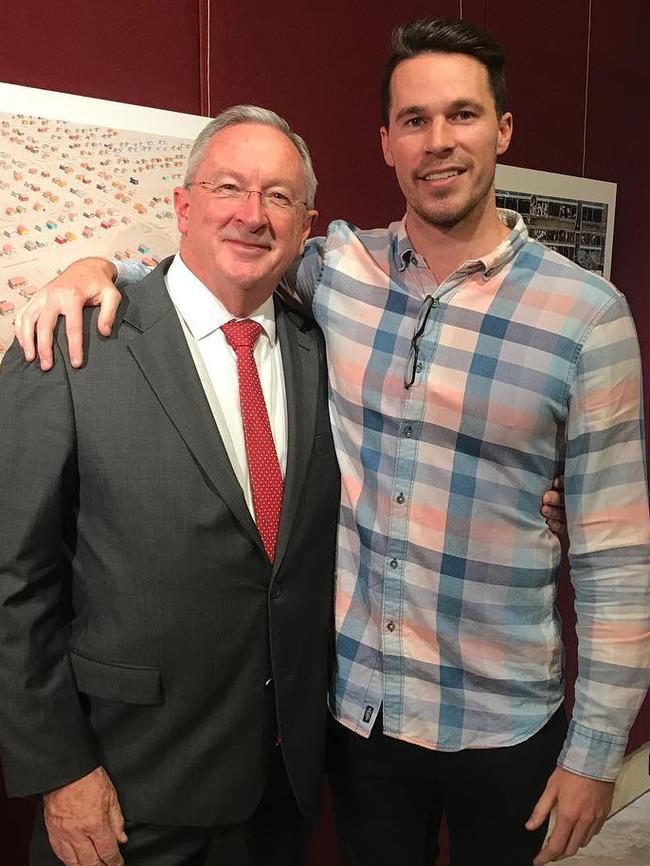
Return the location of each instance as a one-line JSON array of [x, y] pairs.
[[275, 835], [389, 797]]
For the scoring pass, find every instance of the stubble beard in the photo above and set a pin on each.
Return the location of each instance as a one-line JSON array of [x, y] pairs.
[[447, 220]]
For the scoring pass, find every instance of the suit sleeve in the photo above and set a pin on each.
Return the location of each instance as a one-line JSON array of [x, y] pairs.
[[45, 738], [607, 516]]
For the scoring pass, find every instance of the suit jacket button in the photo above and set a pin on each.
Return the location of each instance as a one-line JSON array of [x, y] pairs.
[[275, 591]]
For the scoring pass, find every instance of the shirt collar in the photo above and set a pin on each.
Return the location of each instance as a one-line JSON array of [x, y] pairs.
[[201, 311], [488, 264]]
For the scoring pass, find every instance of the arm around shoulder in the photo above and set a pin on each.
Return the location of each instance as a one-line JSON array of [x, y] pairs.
[[87, 282]]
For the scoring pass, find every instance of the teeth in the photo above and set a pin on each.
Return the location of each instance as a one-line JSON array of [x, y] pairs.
[[442, 175]]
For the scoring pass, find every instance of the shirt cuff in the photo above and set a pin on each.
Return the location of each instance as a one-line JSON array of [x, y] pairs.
[[129, 272], [590, 753]]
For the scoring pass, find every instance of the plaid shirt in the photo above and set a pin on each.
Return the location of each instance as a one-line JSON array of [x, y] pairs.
[[446, 573]]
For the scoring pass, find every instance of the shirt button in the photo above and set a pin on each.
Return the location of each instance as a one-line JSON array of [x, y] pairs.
[[393, 563], [390, 626], [408, 431], [418, 367], [400, 498]]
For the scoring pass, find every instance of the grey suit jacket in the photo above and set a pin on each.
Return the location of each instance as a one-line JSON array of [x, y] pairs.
[[140, 619]]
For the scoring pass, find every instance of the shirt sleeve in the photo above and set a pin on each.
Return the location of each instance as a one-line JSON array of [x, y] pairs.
[[300, 281], [129, 272], [607, 516]]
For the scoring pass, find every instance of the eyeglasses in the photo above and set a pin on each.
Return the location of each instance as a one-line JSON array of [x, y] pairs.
[[420, 324], [231, 192]]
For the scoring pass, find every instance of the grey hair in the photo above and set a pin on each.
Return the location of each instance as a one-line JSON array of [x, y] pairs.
[[237, 114]]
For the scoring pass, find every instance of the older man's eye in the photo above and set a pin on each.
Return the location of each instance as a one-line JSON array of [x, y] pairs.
[[228, 189], [278, 198]]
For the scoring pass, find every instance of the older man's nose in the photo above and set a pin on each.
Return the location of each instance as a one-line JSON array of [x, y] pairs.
[[251, 210]]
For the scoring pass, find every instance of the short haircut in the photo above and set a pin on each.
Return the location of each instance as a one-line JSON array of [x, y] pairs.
[[439, 35], [237, 114]]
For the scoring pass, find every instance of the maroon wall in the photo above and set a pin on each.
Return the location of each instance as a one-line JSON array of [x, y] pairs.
[[578, 77], [140, 51]]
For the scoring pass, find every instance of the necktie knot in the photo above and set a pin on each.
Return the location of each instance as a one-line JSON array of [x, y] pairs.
[[241, 333]]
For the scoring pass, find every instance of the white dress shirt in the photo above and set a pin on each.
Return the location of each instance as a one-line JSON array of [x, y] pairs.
[[201, 316]]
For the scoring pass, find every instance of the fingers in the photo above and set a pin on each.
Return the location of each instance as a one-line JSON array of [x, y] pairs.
[[73, 333], [556, 526], [87, 282], [70, 306], [110, 301], [542, 808], [567, 838], [24, 329], [594, 829], [579, 837], [44, 336], [116, 820], [551, 512], [84, 821], [582, 805], [37, 319], [556, 844], [87, 848], [558, 483], [105, 845], [64, 851], [112, 860], [75, 851], [116, 860]]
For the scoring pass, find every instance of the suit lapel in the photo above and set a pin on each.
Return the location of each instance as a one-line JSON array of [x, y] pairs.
[[300, 362], [162, 354]]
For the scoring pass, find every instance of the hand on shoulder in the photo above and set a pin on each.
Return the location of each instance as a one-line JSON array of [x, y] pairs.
[[87, 282]]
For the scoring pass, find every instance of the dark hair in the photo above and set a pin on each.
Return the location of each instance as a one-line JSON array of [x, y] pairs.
[[438, 35]]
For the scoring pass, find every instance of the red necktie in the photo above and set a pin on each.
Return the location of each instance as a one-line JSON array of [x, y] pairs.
[[263, 466]]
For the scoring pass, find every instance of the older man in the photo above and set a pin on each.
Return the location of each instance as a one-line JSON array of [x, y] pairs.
[[168, 545]]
